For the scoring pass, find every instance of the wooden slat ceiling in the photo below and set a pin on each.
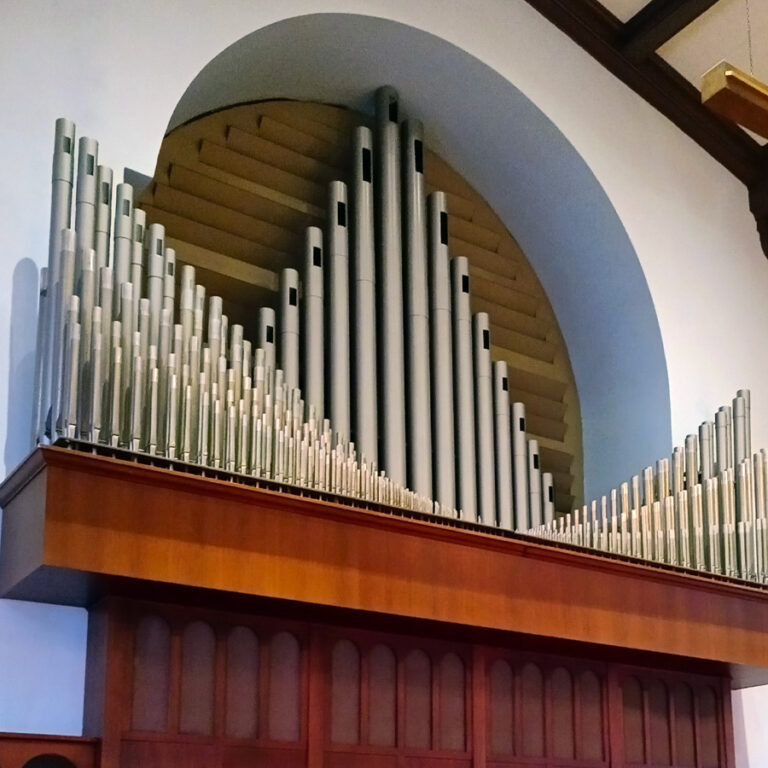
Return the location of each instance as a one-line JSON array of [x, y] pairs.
[[236, 189], [628, 45]]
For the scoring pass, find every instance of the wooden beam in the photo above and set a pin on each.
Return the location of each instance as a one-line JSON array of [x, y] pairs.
[[658, 22], [736, 96], [598, 31]]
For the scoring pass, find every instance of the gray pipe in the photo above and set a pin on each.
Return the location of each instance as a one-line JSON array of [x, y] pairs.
[[389, 280], [337, 310], [103, 226], [520, 468], [721, 435], [691, 461], [313, 336], [364, 298], [464, 395], [85, 200], [534, 483], [486, 480], [155, 279], [747, 395], [266, 325], [548, 497], [441, 352], [706, 450], [739, 429], [62, 179], [417, 313], [502, 444], [123, 242], [289, 326]]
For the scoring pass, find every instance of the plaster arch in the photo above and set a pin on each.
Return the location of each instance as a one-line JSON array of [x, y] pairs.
[[527, 170]]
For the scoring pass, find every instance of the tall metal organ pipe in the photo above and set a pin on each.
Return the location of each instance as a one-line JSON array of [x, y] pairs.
[[266, 330], [520, 468], [441, 354], [417, 311], [534, 483], [363, 255], [464, 390], [289, 326], [502, 444], [103, 223], [62, 181], [389, 280], [312, 311], [486, 480], [85, 199], [337, 310]]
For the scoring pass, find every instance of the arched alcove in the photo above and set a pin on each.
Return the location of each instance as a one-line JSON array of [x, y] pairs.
[[529, 173]]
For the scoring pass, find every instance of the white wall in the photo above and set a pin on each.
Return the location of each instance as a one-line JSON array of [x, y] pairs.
[[119, 71]]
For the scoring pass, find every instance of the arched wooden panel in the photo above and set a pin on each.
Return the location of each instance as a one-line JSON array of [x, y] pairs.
[[242, 701], [382, 697], [284, 704], [501, 713], [198, 679], [151, 675], [685, 745], [235, 190], [49, 761], [591, 715], [452, 733], [418, 700], [659, 726], [634, 732], [561, 693], [709, 719], [345, 693], [532, 711]]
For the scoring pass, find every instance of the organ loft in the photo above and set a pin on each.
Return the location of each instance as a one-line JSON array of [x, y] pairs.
[[298, 453]]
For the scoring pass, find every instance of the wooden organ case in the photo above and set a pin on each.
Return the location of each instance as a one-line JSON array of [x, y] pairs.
[[243, 623]]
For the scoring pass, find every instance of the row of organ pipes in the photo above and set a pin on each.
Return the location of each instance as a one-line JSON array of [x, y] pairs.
[[705, 508], [373, 380]]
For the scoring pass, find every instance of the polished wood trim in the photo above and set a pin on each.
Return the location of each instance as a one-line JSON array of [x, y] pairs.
[[657, 22], [113, 518]]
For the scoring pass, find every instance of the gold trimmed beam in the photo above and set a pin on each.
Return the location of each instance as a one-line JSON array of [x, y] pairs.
[[736, 96]]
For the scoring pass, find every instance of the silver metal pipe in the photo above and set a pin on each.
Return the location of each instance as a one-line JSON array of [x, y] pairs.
[[464, 395], [486, 482], [503, 447], [289, 326], [441, 354], [747, 395], [87, 294], [137, 259], [155, 279], [313, 354], [85, 200], [706, 450], [364, 405], [389, 279], [691, 461], [266, 330], [534, 483], [520, 468], [739, 429], [169, 281], [62, 178], [122, 246], [548, 498], [42, 363], [721, 439], [414, 222], [103, 224]]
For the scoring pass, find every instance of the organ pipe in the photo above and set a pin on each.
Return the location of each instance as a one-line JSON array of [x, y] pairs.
[[441, 353], [463, 389], [503, 445], [313, 360], [389, 280], [417, 310], [364, 297], [484, 433]]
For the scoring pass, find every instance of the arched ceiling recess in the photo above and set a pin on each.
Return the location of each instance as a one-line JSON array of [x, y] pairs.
[[525, 168]]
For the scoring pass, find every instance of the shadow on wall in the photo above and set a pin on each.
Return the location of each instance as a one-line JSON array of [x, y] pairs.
[[21, 368]]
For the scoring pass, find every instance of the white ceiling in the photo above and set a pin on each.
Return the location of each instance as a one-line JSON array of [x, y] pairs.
[[624, 9]]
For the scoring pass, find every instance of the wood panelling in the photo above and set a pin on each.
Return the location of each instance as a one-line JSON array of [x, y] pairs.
[[236, 189], [17, 749], [163, 526]]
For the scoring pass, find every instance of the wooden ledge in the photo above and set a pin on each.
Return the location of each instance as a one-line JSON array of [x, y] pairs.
[[70, 517]]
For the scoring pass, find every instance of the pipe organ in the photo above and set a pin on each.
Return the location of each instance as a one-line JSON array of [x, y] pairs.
[[372, 380], [691, 510]]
